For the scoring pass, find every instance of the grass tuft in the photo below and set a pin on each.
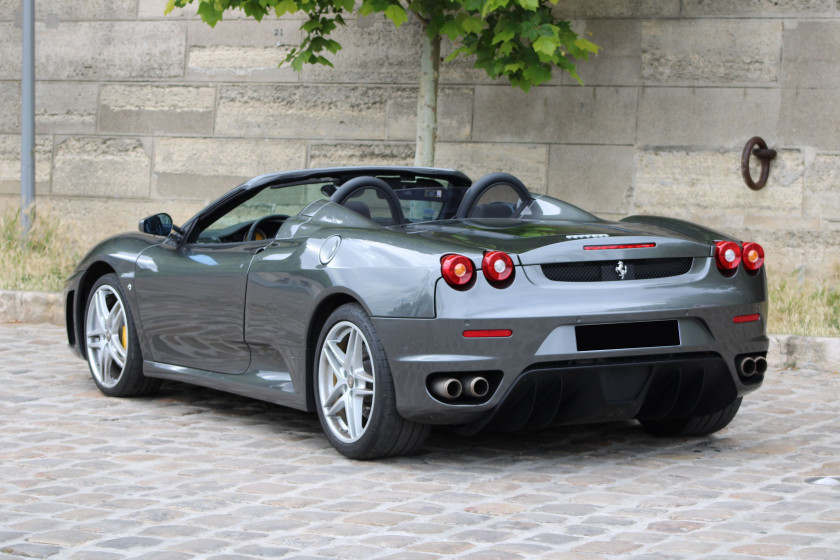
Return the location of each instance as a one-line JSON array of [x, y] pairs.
[[43, 261], [804, 307]]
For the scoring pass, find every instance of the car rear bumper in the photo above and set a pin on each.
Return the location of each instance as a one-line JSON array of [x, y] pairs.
[[549, 370]]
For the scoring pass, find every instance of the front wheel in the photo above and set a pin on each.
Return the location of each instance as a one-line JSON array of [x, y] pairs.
[[702, 425], [354, 391], [111, 343]]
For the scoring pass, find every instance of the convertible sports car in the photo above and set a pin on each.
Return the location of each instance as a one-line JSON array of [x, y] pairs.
[[393, 299]]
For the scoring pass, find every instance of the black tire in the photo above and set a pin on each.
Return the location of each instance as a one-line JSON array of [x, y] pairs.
[[376, 430], [693, 425], [104, 352]]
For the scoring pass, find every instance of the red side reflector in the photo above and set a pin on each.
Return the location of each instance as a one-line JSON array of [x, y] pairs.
[[746, 318], [626, 246], [493, 333]]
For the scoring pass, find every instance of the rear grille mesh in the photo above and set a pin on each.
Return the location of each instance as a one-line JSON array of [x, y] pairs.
[[608, 271]]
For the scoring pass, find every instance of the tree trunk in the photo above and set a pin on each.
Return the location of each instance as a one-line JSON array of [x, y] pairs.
[[424, 154]]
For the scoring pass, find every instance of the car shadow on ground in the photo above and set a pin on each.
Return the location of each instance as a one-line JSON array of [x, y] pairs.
[[614, 441]]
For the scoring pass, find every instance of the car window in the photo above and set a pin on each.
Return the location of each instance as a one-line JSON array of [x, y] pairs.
[[233, 224]]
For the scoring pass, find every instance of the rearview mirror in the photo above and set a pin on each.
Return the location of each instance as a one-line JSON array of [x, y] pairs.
[[159, 224]]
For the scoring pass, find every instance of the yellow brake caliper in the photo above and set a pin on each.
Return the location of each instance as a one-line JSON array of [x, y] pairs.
[[124, 336]]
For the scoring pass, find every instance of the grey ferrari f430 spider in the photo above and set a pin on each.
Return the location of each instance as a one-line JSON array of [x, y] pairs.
[[392, 299]]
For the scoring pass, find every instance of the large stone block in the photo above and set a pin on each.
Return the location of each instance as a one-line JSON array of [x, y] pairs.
[[822, 188], [340, 154], [320, 112], [242, 50], [110, 50], [11, 39], [809, 118], [528, 162], [704, 186], [205, 168], [81, 10], [811, 59], [597, 178], [373, 51], [94, 166], [757, 8], [65, 107], [709, 52], [10, 163], [142, 109], [618, 62], [613, 9], [10, 107], [587, 115], [707, 117], [455, 113]]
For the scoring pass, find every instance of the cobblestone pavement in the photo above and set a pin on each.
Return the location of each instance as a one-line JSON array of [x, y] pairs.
[[193, 473]]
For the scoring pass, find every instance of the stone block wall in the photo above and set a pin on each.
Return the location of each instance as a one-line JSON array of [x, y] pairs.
[[138, 112]]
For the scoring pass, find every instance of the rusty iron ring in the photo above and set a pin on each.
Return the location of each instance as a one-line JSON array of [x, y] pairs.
[[756, 146]]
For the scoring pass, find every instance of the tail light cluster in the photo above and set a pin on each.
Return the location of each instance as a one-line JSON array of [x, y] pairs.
[[459, 272], [729, 255]]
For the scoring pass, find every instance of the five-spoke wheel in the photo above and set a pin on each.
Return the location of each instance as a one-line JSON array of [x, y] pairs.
[[113, 351], [346, 382], [354, 392]]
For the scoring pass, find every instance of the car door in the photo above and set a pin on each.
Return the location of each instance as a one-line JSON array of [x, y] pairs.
[[191, 300]]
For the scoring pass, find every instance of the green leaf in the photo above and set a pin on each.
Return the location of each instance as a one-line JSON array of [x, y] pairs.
[[545, 45], [311, 25], [587, 46], [209, 14], [451, 29], [285, 7], [170, 5], [530, 5], [366, 8], [397, 14], [493, 5], [504, 36], [470, 24]]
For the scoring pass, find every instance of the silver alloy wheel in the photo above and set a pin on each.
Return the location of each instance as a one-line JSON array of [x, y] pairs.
[[106, 334], [346, 381]]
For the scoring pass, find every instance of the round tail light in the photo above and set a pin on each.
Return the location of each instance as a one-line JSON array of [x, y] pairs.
[[753, 256], [457, 270], [727, 255], [497, 267]]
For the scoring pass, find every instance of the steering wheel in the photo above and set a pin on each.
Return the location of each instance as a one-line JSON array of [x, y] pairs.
[[486, 183], [255, 226], [349, 188]]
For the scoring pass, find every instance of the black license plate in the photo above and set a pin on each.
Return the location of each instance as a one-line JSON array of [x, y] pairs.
[[617, 336]]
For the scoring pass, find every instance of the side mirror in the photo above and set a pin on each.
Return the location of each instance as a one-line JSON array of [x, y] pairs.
[[159, 224]]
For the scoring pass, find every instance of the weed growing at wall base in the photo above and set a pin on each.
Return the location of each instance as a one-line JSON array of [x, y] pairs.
[[43, 261], [804, 307]]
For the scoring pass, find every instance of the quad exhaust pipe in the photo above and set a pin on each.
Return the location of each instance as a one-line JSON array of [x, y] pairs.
[[476, 386], [447, 388], [451, 388], [753, 366]]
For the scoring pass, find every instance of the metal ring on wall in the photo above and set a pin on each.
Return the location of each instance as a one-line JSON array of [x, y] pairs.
[[756, 146]]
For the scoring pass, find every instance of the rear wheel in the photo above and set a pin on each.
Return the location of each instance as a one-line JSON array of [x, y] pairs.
[[354, 391], [113, 349], [693, 425]]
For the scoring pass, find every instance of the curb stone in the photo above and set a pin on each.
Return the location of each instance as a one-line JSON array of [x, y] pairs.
[[31, 307], [786, 351]]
